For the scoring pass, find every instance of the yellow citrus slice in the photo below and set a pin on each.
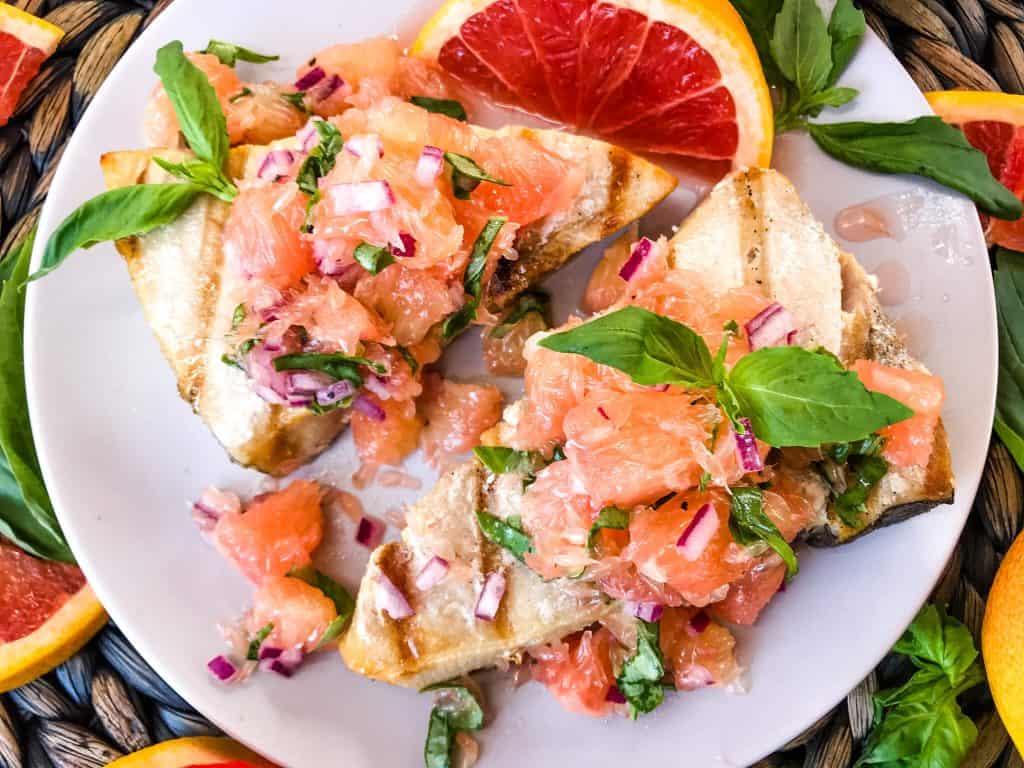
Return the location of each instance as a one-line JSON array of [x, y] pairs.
[[196, 751], [680, 77], [1002, 641]]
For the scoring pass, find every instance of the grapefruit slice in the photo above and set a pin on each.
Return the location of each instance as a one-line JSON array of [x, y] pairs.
[[993, 123], [205, 751], [47, 612], [25, 43], [680, 77]]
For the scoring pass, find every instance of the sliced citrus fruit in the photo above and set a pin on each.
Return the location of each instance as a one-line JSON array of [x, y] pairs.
[[993, 123], [1002, 641], [680, 77], [206, 751], [25, 43], [580, 676], [47, 612]]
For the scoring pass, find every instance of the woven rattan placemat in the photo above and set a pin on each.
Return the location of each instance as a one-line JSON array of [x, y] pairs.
[[106, 701]]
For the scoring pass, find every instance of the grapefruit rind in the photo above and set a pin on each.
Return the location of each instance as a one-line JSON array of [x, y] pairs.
[[1002, 641], [961, 107], [54, 642], [31, 30], [713, 24], [199, 750]]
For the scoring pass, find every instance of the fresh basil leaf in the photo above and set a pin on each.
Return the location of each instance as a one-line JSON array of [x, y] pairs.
[[609, 517], [467, 175], [1009, 283], [229, 53], [932, 733], [201, 174], [641, 675], [253, 653], [800, 46], [26, 515], [458, 704], [238, 316], [650, 348], [499, 532], [298, 101], [830, 97], [449, 107], [501, 460], [926, 147], [334, 364], [846, 29], [373, 258], [937, 639], [795, 397], [530, 302], [318, 164], [759, 18], [437, 752], [472, 281], [865, 473], [344, 603], [200, 116], [750, 525], [115, 214], [242, 94]]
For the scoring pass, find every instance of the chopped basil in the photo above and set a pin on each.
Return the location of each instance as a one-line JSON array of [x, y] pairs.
[[501, 460], [437, 752], [449, 107], [413, 363], [499, 532], [456, 709], [640, 677], [238, 317], [750, 525], [234, 362], [334, 364], [558, 454], [467, 175], [229, 53], [253, 654], [865, 468], [242, 94], [344, 604], [704, 482], [472, 280], [530, 302], [297, 100], [609, 517], [318, 164], [373, 258]]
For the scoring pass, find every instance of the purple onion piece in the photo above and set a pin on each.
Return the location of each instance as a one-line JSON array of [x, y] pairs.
[[311, 78], [222, 668], [637, 255], [335, 393], [746, 447], [370, 409]]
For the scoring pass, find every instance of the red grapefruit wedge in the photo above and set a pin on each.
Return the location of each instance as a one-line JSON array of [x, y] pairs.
[[25, 43], [680, 77]]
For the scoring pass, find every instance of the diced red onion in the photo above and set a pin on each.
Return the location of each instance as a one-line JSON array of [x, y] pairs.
[[213, 504], [407, 250], [269, 652], [204, 517], [770, 327], [370, 409], [360, 197], [603, 412], [367, 145], [277, 163], [432, 573], [646, 611], [309, 136], [791, 338], [391, 600], [698, 533], [222, 668], [698, 623], [336, 392], [637, 254], [270, 384], [311, 78], [490, 597], [307, 382], [323, 90], [429, 166], [283, 663], [746, 447], [369, 532], [615, 696]]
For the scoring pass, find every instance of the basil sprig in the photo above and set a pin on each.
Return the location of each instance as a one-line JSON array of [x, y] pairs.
[[229, 53], [640, 679], [749, 525], [920, 723], [792, 396], [1009, 280], [344, 603], [26, 515], [472, 281], [467, 175], [141, 208], [503, 534], [456, 710], [448, 107]]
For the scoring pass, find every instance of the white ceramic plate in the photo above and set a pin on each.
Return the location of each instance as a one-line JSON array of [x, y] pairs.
[[122, 455]]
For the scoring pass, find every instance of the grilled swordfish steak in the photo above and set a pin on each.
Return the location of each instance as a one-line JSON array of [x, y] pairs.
[[189, 292], [752, 230]]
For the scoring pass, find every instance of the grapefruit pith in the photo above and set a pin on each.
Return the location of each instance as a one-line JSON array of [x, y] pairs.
[[47, 612], [680, 77], [25, 43]]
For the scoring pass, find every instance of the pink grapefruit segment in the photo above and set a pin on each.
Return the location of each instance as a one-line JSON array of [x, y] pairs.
[[25, 43]]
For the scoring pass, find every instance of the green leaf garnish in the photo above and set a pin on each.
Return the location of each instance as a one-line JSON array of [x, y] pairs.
[[501, 460], [253, 654], [641, 675], [457, 709], [334, 364], [373, 258], [926, 147], [229, 53], [344, 603], [26, 515], [472, 280], [467, 175], [749, 525], [609, 517], [449, 107], [846, 30], [499, 532], [800, 46], [1009, 282], [242, 94], [318, 164], [531, 302], [238, 316], [202, 174], [865, 468], [200, 116], [759, 18], [298, 101], [410, 360]]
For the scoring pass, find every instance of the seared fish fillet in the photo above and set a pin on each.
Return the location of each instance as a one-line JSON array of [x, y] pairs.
[[188, 293], [754, 230], [444, 639]]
